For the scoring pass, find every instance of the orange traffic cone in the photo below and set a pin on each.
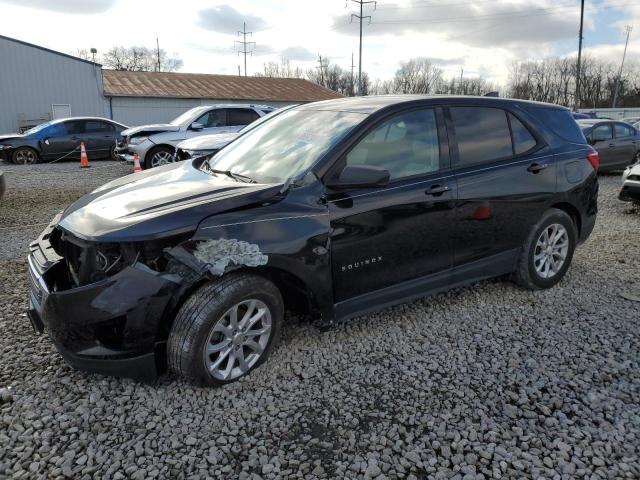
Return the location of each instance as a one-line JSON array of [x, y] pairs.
[[136, 163], [84, 160]]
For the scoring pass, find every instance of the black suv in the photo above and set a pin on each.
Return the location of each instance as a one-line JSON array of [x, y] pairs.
[[334, 208]]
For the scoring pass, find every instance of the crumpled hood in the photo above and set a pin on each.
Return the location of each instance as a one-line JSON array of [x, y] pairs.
[[157, 203], [208, 142], [9, 136], [159, 127]]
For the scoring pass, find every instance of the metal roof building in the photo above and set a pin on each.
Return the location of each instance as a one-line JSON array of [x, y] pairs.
[[137, 98], [38, 84]]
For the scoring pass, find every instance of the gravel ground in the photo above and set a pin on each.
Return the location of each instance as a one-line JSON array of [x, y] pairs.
[[489, 381]]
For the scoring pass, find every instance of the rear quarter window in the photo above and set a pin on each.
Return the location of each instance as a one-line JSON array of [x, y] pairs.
[[561, 122]]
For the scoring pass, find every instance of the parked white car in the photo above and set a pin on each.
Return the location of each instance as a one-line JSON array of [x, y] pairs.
[[155, 144], [207, 145]]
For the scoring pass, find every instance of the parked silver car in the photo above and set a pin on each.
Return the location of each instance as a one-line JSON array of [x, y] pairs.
[[210, 144], [155, 144], [630, 191]]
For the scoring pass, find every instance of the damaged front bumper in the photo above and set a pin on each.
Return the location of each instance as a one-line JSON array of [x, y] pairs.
[[113, 326]]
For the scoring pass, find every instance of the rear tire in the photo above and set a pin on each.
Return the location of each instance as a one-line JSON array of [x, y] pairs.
[[206, 346], [25, 156], [547, 252], [159, 156]]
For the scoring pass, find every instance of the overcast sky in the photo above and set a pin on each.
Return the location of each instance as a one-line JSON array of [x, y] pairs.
[[483, 37]]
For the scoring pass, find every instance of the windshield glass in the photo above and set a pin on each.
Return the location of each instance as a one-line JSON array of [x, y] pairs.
[[263, 119], [286, 145], [37, 128], [186, 116]]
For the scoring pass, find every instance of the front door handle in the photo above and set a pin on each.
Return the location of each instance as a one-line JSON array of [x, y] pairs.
[[437, 190], [537, 167]]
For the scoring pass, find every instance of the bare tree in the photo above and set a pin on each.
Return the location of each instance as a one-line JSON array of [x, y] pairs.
[[553, 80], [281, 70], [140, 59], [418, 75]]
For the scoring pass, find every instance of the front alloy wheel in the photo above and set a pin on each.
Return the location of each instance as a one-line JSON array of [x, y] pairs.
[[161, 156], [237, 340], [225, 329], [25, 156]]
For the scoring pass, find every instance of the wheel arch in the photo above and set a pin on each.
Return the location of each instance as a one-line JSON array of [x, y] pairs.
[[147, 156], [573, 212]]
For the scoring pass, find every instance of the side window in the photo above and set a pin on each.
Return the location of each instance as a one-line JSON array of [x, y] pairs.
[[75, 127], [523, 141], [623, 130], [55, 130], [96, 126], [602, 132], [214, 118], [405, 145], [241, 116], [482, 134]]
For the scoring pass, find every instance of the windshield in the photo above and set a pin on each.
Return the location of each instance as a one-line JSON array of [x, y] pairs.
[[286, 145], [186, 116], [37, 128], [264, 118]]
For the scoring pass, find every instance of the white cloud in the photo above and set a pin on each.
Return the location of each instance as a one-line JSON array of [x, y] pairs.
[[480, 36], [76, 7]]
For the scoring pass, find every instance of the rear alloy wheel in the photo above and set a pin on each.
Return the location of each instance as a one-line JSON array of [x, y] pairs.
[[225, 329], [547, 252], [159, 156], [25, 156]]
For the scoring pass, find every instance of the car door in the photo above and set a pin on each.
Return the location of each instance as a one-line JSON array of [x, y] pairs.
[[625, 144], [66, 141], [384, 238], [601, 137], [505, 182], [99, 136], [238, 118], [212, 121]]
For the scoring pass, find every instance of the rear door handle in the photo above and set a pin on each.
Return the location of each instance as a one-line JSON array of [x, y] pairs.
[[611, 145], [536, 167], [437, 190]]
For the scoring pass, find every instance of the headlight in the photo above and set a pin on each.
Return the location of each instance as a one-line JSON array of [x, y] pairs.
[[199, 153], [138, 140]]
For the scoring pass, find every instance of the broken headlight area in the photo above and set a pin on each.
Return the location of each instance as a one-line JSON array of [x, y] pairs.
[[89, 262]]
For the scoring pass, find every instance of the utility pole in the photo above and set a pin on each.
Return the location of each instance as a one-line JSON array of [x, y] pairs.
[[628, 28], [353, 85], [158, 51], [322, 65], [461, 73], [576, 102], [245, 45], [361, 17]]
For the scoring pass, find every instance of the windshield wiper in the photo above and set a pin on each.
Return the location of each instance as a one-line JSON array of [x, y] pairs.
[[229, 173]]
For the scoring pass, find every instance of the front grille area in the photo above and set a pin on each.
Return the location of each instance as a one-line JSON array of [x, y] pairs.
[[38, 289]]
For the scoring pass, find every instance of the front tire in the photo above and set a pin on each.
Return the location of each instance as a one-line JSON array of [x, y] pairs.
[[159, 156], [547, 252], [225, 329], [25, 156]]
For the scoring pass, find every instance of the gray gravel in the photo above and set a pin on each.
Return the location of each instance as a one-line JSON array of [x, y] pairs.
[[488, 381]]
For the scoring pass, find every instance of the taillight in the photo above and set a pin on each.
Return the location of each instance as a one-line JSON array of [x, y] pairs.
[[594, 159]]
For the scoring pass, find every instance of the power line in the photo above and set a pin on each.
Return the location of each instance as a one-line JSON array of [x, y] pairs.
[[628, 29], [245, 45], [360, 18]]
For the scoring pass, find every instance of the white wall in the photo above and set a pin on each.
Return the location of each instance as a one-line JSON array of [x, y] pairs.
[[133, 111]]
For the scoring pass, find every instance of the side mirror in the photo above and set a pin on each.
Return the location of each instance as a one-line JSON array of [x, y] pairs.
[[361, 176], [196, 126]]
